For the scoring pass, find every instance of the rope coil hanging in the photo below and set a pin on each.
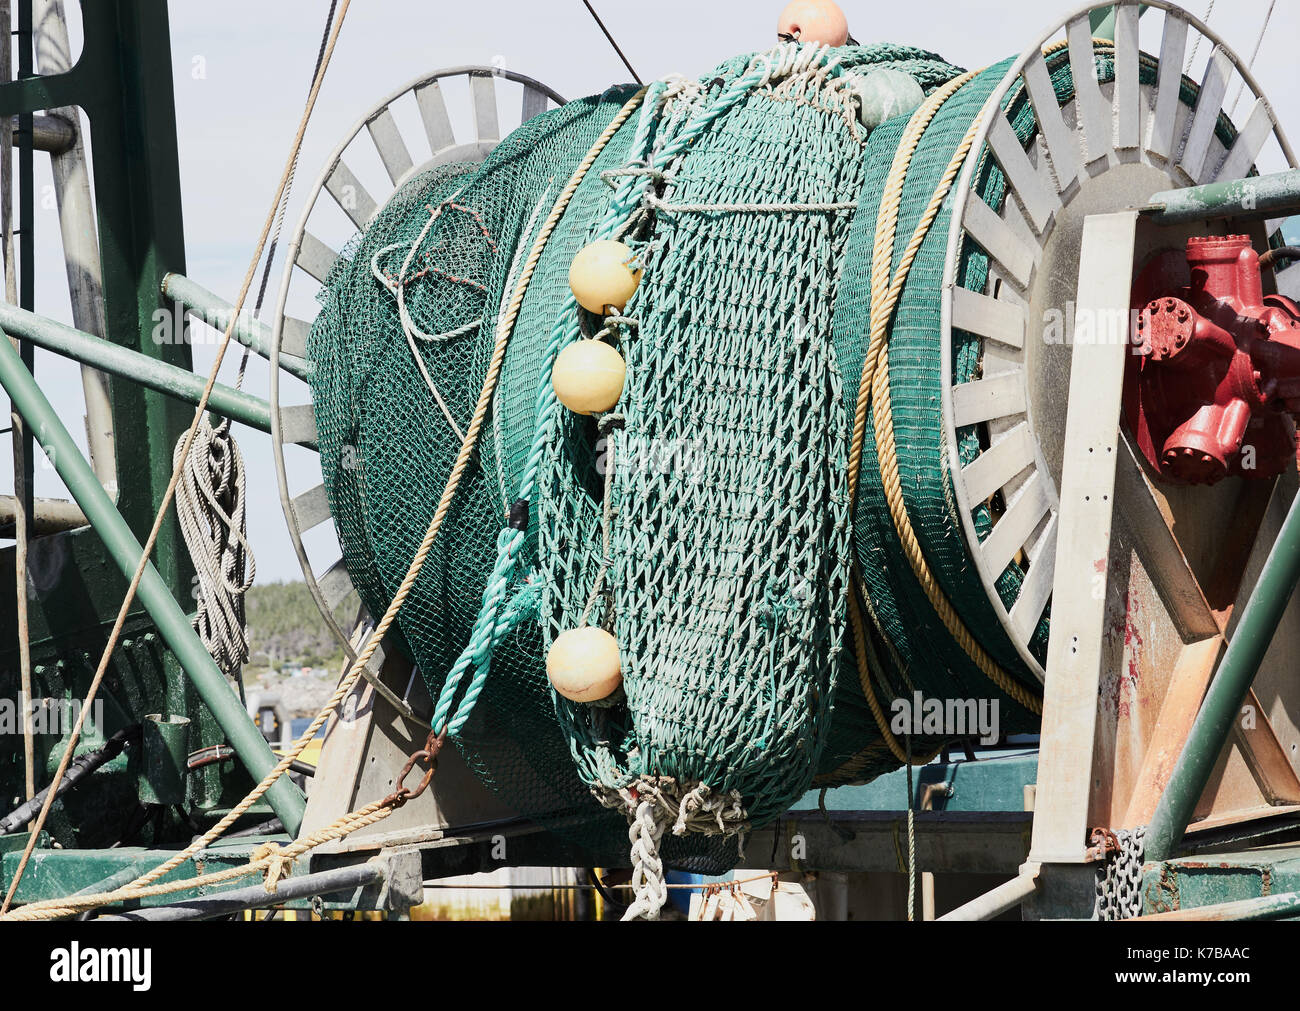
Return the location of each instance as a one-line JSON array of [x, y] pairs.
[[211, 509]]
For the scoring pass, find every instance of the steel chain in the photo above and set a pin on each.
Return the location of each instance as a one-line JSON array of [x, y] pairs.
[[1119, 878]]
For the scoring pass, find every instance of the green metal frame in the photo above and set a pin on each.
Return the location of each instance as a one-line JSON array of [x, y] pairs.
[[1227, 691], [173, 625], [123, 82], [152, 373], [1257, 197]]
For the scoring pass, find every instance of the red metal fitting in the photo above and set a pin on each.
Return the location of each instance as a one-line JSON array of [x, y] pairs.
[[1214, 383]]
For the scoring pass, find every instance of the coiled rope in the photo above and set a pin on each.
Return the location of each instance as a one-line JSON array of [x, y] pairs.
[[874, 395], [210, 507]]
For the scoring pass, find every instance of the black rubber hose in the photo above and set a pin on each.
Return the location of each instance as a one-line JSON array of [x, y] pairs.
[[1280, 253], [80, 769]]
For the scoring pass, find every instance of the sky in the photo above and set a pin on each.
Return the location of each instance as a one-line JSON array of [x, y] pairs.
[[242, 69]]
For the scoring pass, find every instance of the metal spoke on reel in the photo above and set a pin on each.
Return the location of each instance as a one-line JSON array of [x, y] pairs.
[[376, 136]]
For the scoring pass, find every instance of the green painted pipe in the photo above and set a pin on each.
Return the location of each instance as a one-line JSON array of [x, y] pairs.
[[138, 368], [1223, 701], [1269, 196], [164, 746], [215, 311], [284, 797]]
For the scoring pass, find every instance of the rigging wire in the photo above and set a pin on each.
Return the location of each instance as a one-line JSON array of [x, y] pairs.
[[627, 63], [1259, 42], [1196, 45]]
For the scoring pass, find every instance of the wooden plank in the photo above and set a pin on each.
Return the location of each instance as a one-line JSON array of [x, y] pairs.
[[1036, 589], [1265, 756], [1039, 202], [994, 318], [996, 466], [995, 237], [1086, 512], [1128, 89], [1168, 85], [1241, 158], [483, 92], [352, 197], [311, 508], [1000, 396], [315, 257], [433, 113], [1014, 527], [1182, 701], [1162, 558], [388, 142], [1062, 146], [1094, 112], [1208, 106]]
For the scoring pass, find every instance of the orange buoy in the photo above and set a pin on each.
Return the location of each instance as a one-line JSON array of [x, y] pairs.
[[583, 664], [601, 277], [588, 377], [819, 21]]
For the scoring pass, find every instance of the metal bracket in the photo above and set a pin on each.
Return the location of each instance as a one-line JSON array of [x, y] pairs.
[[1083, 544]]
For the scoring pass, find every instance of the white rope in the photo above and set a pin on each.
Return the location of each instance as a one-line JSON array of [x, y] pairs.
[[210, 506], [645, 830], [651, 804], [397, 288]]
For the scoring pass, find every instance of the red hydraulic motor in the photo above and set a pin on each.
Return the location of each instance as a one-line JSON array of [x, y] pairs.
[[1213, 386]]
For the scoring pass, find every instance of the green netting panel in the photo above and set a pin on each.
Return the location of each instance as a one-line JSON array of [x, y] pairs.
[[387, 449], [728, 520]]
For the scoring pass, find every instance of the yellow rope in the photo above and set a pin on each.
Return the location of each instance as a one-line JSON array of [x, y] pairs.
[[874, 390], [867, 662], [378, 810]]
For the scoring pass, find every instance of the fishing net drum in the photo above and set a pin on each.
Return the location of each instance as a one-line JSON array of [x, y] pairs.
[[830, 478]]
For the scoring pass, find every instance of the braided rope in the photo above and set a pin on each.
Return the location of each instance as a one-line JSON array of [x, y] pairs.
[[652, 803], [874, 391], [645, 829], [271, 859], [210, 507]]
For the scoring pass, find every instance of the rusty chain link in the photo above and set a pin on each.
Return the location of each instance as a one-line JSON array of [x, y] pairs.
[[432, 746]]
